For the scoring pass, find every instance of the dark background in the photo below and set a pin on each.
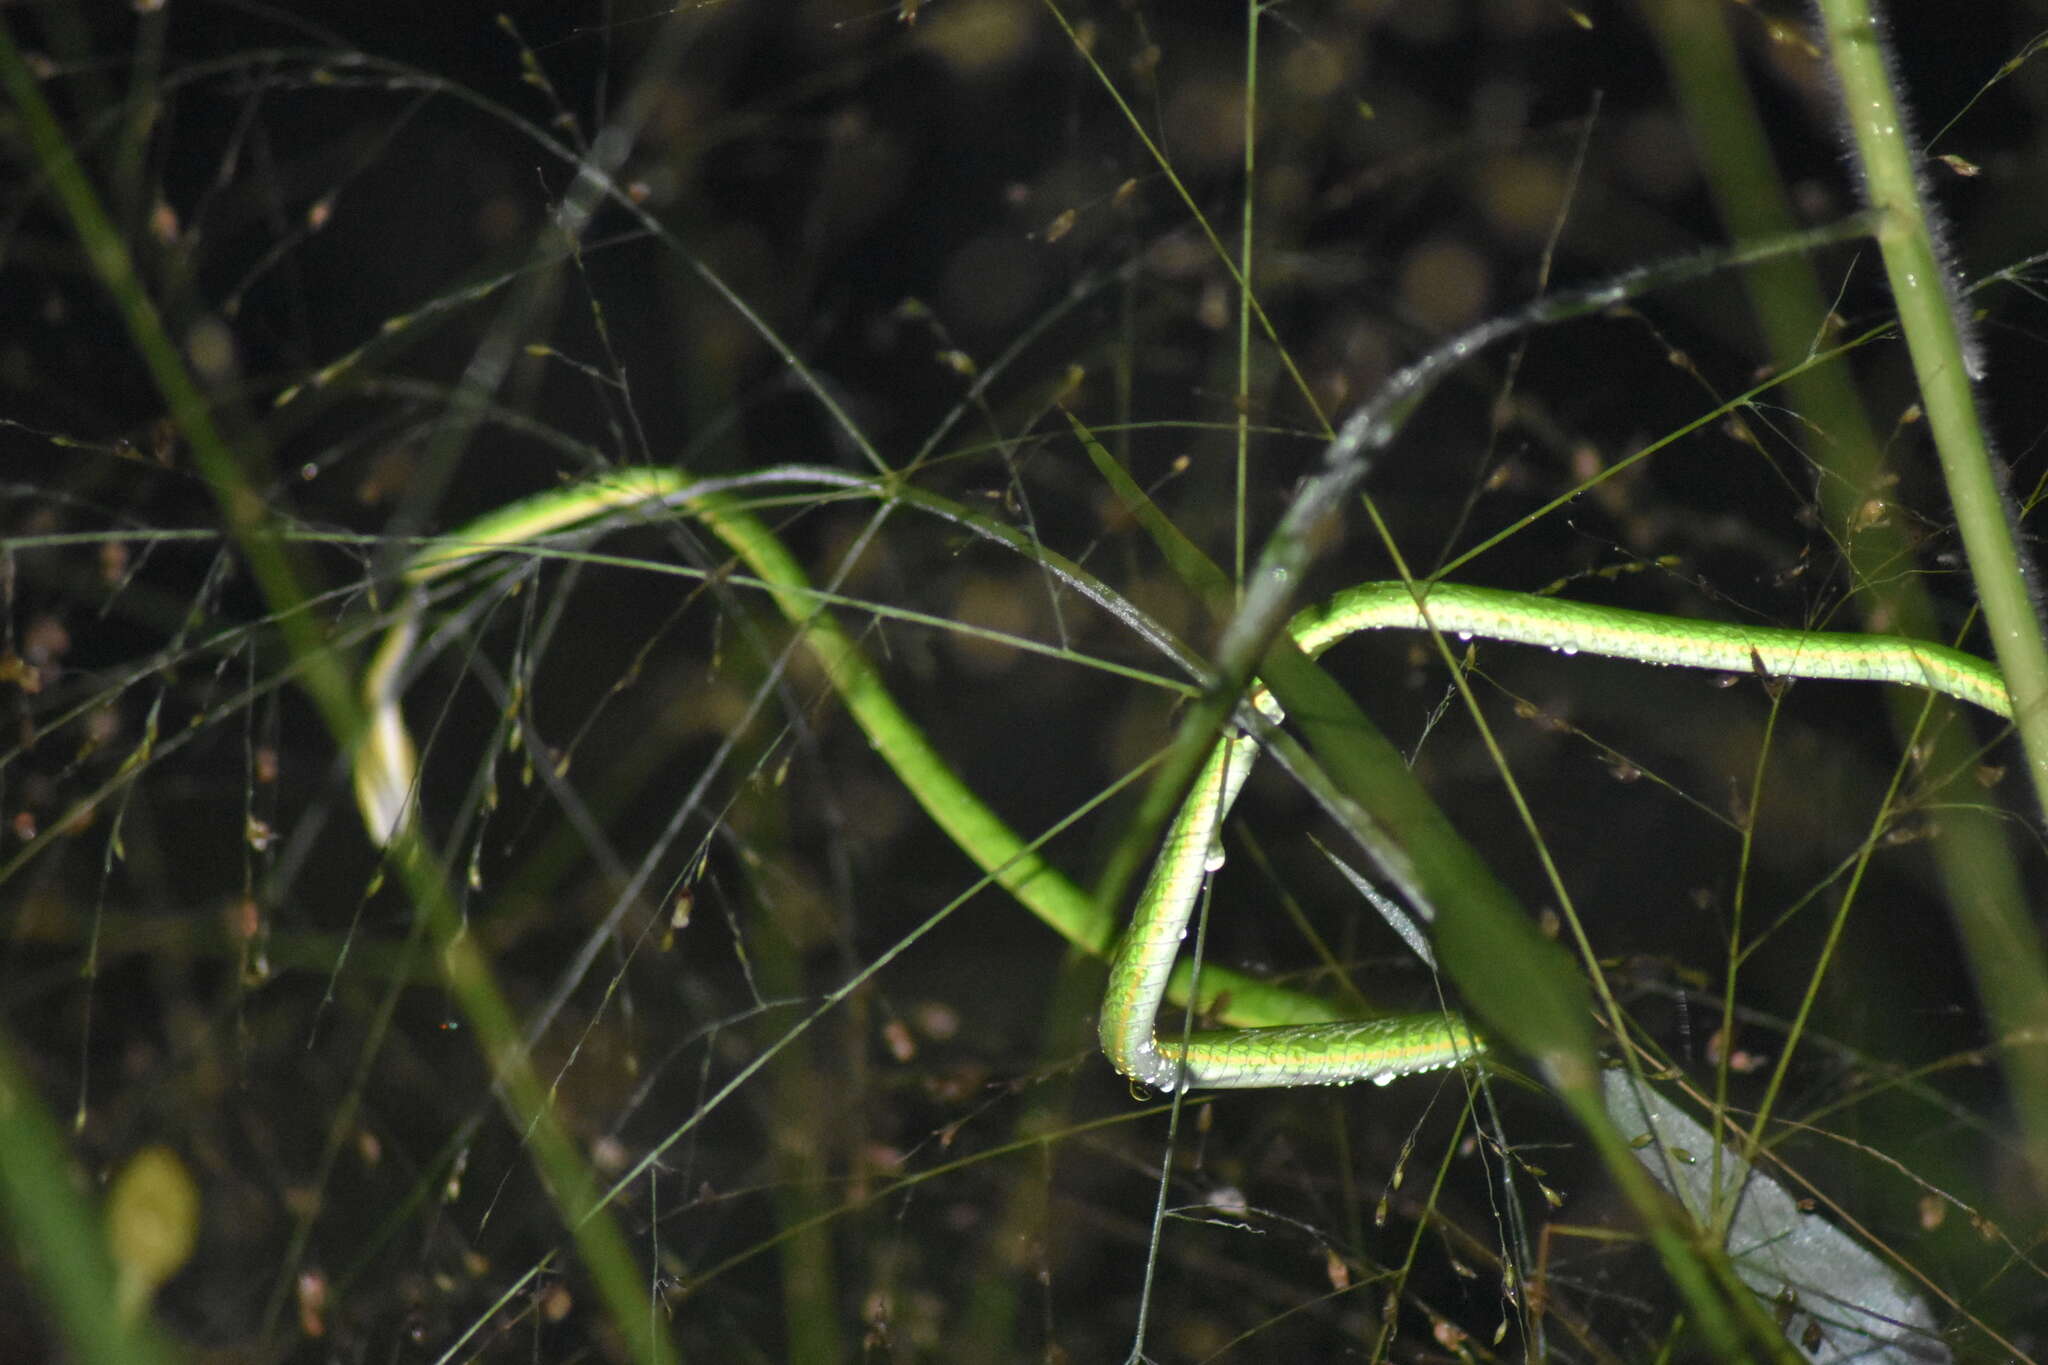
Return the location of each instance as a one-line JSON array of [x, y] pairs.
[[340, 208]]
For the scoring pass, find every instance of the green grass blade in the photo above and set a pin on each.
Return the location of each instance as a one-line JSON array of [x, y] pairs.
[[2005, 952], [56, 1233]]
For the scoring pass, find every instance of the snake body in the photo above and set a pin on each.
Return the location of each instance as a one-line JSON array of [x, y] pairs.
[[1298, 1043]]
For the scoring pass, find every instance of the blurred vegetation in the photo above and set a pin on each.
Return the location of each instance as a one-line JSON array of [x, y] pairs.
[[365, 229]]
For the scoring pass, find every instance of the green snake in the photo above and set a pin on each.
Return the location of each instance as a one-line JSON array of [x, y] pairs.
[[1294, 1041]]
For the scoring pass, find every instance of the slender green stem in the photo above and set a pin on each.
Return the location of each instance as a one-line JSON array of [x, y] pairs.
[[1930, 317], [2004, 950], [1245, 298]]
